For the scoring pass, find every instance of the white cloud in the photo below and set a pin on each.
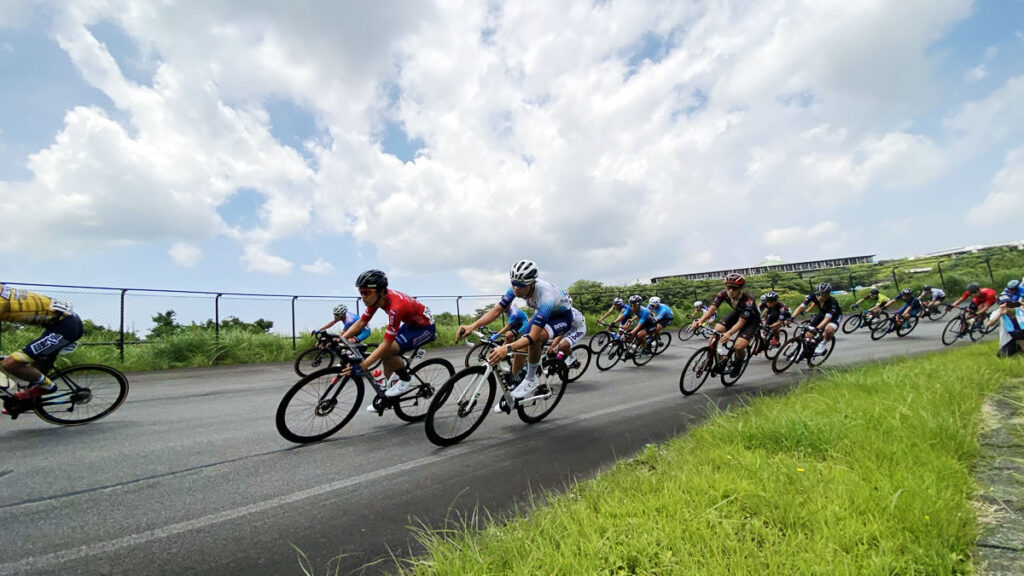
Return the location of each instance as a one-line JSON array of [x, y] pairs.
[[1006, 194], [321, 267], [980, 72], [257, 259], [795, 234], [185, 255]]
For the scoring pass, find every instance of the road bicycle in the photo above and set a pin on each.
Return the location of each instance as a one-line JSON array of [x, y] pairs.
[[863, 319], [479, 351], [321, 403], [768, 342], [935, 311], [711, 361], [966, 323], [895, 323], [325, 353], [624, 347], [85, 393], [685, 333], [803, 346], [598, 340], [461, 404]]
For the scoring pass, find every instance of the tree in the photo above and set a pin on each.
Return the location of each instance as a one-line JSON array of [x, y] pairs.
[[164, 325]]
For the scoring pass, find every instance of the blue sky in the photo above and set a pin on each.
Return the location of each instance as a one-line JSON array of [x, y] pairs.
[[252, 147]]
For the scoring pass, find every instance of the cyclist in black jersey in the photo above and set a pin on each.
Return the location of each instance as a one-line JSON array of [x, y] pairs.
[[829, 313], [775, 315], [742, 322]]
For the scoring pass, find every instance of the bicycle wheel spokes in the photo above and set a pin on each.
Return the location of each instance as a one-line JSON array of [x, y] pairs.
[[460, 405], [427, 376], [549, 391], [84, 393], [695, 372], [318, 405], [880, 329], [597, 341], [907, 327]]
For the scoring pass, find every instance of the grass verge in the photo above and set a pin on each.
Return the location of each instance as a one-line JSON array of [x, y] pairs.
[[860, 471]]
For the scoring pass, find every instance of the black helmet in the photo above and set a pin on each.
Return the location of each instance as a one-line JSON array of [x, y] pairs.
[[372, 279], [926, 288], [635, 299], [772, 296], [873, 291], [973, 287], [823, 288]]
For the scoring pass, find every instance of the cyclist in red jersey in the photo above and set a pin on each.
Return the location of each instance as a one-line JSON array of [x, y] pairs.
[[981, 298], [410, 325]]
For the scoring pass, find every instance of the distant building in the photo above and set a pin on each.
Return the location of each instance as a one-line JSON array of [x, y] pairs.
[[774, 263], [1019, 244]]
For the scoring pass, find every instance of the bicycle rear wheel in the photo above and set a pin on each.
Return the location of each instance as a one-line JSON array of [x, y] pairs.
[[789, 354], [662, 343], [312, 360], [954, 329], [318, 405], [771, 351], [695, 372], [907, 327], [547, 395], [428, 376], [85, 393], [608, 355], [581, 354], [819, 359], [939, 312], [460, 405]]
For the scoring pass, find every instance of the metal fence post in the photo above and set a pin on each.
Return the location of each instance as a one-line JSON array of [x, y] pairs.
[[294, 344], [120, 343], [853, 287], [216, 317], [942, 279], [990, 276], [894, 279], [458, 312]]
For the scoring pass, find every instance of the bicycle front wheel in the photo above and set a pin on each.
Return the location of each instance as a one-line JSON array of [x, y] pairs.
[[907, 327], [643, 354], [312, 360], [685, 333], [879, 330], [597, 341], [771, 351], [851, 324], [318, 405], [427, 376], [581, 354], [85, 393], [695, 372], [819, 359], [478, 353], [789, 354], [727, 378], [954, 329], [547, 395], [662, 343], [460, 405], [608, 355]]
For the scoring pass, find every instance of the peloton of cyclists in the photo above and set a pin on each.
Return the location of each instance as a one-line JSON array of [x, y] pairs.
[[741, 323], [829, 313]]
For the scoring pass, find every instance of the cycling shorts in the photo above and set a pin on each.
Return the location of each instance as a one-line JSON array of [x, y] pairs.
[[409, 338], [664, 322], [748, 330], [55, 338], [834, 322], [570, 324]]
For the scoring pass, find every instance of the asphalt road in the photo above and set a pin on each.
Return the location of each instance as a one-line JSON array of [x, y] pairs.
[[190, 476]]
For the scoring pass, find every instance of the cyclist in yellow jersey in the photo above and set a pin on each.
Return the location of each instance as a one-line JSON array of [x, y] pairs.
[[61, 327], [879, 299]]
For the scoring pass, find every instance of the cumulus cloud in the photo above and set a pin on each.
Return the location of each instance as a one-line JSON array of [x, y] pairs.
[[540, 123], [1006, 194], [320, 267], [185, 255]]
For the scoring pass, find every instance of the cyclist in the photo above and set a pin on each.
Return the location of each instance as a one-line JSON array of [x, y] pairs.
[[1013, 291], [347, 318], [829, 313], [518, 324], [61, 328], [644, 320], [554, 316], [662, 314], [931, 297], [621, 311], [911, 304], [410, 325], [776, 314], [981, 299], [742, 322], [1012, 315], [879, 301], [699, 308]]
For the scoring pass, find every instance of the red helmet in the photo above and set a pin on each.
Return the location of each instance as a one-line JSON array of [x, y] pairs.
[[735, 279]]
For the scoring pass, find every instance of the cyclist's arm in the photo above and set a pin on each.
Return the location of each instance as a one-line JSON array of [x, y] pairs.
[[707, 314], [484, 320], [328, 325], [353, 330]]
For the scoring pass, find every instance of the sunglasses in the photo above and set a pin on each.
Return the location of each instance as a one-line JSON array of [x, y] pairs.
[[520, 284], [369, 292]]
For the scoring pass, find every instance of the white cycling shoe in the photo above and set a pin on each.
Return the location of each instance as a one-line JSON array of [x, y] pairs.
[[525, 389]]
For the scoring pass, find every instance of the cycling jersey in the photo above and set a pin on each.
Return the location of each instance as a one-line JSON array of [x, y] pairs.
[[914, 305], [1011, 296], [546, 298], [26, 307], [745, 305], [986, 296], [880, 299], [703, 309], [773, 315], [645, 318], [517, 318], [401, 308], [937, 294], [662, 312], [830, 308], [351, 319]]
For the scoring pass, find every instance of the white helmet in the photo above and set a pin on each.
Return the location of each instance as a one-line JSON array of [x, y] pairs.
[[340, 311], [654, 301], [698, 304], [524, 272], [617, 302]]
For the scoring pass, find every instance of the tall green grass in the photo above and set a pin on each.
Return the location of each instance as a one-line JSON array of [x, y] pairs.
[[865, 471]]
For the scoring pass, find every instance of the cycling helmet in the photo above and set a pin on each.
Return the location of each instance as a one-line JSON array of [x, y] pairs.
[[873, 291], [764, 297], [654, 301], [340, 310], [906, 292], [926, 288], [1013, 284], [372, 279], [973, 287], [735, 279], [635, 299], [823, 288], [524, 272], [617, 302], [698, 304], [772, 296]]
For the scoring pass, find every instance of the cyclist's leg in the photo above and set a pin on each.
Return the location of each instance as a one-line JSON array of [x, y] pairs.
[[407, 339], [25, 363]]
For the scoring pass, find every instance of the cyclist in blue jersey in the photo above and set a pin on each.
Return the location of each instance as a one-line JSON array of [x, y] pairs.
[[347, 318], [554, 316], [662, 313], [643, 321], [518, 325], [619, 309], [910, 304], [1013, 291]]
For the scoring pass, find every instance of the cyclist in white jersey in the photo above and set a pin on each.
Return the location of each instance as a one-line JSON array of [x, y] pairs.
[[554, 316]]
